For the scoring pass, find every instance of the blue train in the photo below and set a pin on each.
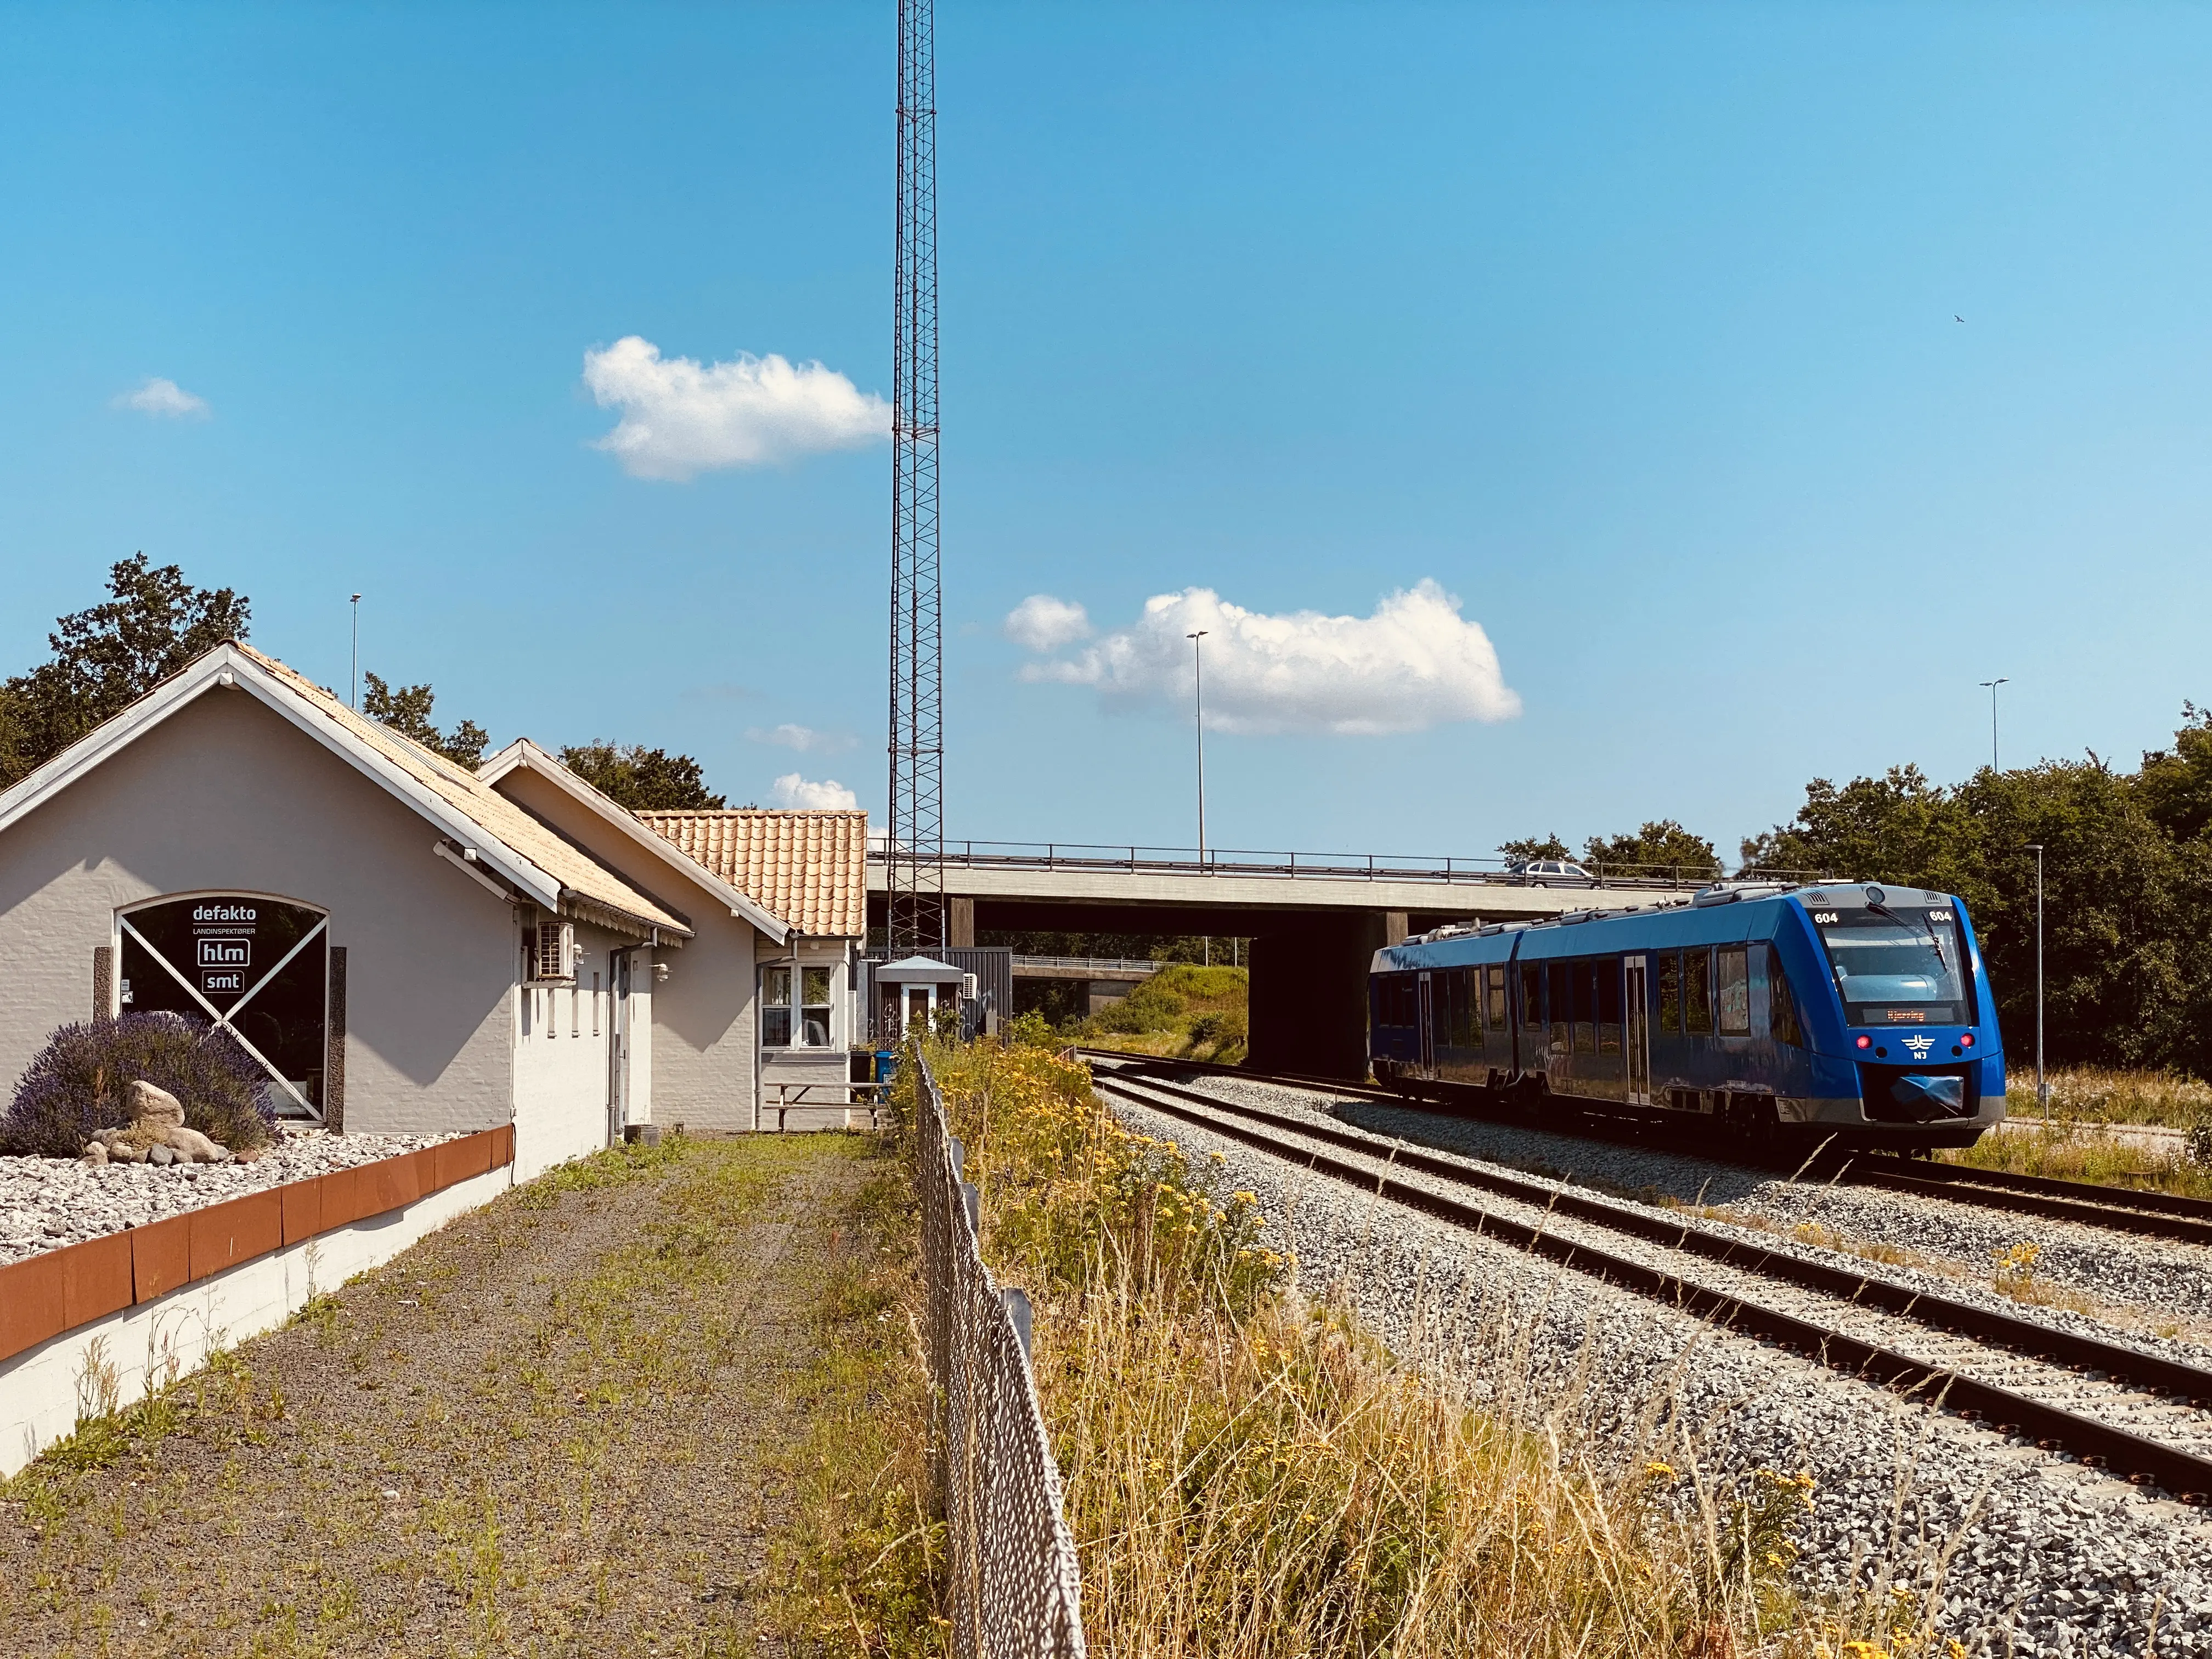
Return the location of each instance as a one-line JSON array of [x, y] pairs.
[[1848, 1012]]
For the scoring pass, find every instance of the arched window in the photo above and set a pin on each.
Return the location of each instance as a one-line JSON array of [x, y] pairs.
[[257, 964]]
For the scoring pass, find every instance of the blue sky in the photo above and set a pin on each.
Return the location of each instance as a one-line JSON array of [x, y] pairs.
[[1632, 328]]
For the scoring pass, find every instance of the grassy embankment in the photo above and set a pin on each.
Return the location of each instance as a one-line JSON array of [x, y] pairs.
[[2083, 1138], [1250, 1475], [600, 1415], [1182, 1012]]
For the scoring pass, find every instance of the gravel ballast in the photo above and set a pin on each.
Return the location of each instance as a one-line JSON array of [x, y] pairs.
[[2167, 1281], [2045, 1557], [48, 1202]]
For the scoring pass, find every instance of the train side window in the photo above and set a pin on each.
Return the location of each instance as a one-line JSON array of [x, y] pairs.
[[1698, 991], [1496, 976], [1608, 1005], [1469, 1011], [1782, 1003], [1561, 1008], [1734, 960], [1585, 1007], [1532, 996], [1670, 992]]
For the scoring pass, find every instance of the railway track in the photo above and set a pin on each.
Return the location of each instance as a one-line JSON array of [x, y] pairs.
[[2153, 1215], [2013, 1374]]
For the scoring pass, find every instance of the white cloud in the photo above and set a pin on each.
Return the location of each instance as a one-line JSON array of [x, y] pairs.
[[163, 398], [681, 417], [1041, 622], [1414, 663], [828, 795], [804, 739]]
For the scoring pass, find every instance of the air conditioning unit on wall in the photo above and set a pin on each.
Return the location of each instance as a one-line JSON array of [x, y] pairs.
[[554, 960]]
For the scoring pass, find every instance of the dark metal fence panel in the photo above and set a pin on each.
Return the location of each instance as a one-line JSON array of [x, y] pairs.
[[1016, 1588]]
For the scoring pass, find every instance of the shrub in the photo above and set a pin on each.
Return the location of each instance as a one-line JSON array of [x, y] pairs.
[[79, 1084], [1201, 984], [1153, 1006], [1219, 1028]]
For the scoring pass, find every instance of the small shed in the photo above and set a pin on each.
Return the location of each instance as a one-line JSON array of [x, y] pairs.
[[912, 989]]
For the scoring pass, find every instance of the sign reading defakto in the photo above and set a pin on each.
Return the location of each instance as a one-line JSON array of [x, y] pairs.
[[257, 964]]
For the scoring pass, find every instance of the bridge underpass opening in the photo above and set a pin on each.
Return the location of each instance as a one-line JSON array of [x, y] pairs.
[[1309, 965]]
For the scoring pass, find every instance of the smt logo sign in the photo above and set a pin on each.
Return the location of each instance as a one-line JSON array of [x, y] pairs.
[[1920, 1046]]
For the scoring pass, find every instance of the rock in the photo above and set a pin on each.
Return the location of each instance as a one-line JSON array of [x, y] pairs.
[[194, 1145], [95, 1153], [160, 1154], [148, 1103]]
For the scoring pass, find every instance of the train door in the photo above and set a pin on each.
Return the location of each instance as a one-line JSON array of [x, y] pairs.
[[1637, 1033], [1427, 1024]]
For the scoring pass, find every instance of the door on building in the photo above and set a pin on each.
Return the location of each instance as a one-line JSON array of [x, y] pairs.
[[918, 999], [1638, 1032], [618, 1012], [1427, 1027], [256, 966]]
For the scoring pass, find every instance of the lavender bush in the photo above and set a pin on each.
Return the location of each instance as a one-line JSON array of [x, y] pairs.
[[77, 1085]]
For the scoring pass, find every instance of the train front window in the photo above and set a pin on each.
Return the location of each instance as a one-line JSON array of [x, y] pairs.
[[1896, 965]]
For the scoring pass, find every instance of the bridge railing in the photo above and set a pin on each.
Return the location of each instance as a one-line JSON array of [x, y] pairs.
[[1101, 964], [1320, 866]]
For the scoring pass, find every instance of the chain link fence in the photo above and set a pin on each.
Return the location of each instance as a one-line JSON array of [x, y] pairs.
[[1015, 1586]]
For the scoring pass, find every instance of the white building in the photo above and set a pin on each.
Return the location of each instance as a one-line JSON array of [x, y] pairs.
[[406, 945]]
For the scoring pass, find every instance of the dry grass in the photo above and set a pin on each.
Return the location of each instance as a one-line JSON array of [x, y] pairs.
[[2091, 1095], [562, 1424], [1250, 1475], [2063, 1150]]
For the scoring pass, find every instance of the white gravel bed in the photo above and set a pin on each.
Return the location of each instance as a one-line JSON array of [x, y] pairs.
[[1438, 1135], [48, 1202], [2049, 1559], [2170, 1422], [2166, 1280]]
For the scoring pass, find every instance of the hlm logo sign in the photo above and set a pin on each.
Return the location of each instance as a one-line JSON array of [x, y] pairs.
[[226, 952]]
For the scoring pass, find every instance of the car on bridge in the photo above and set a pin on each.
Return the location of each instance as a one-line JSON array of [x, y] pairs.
[[1551, 872]]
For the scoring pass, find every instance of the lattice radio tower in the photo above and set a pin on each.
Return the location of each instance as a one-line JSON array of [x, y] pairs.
[[916, 852]]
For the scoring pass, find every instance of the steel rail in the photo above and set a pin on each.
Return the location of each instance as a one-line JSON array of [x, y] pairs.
[[2119, 1209], [2097, 1444]]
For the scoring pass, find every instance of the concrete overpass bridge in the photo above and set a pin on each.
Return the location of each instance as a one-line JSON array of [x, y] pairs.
[[1314, 920]]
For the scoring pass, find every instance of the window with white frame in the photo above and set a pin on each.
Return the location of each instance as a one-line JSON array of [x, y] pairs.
[[814, 1007], [808, 1025], [776, 1007]]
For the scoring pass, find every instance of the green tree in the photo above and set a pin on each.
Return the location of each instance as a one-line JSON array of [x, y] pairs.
[[1550, 847], [2117, 956], [106, 658], [1899, 826], [406, 710], [1663, 845], [2177, 782], [644, 779]]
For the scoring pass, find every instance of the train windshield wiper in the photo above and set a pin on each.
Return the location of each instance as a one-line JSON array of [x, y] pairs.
[[1884, 910]]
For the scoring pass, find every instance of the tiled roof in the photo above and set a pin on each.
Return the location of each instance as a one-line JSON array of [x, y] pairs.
[[809, 868], [500, 817]]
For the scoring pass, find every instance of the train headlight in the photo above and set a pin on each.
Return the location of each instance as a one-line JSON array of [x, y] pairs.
[[1967, 1041], [1866, 1042]]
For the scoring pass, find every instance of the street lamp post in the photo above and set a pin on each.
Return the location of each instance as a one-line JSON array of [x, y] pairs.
[[1991, 686], [1198, 700], [2042, 1089], [356, 653]]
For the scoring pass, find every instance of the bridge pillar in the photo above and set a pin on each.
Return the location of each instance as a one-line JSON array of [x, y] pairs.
[[1308, 1011]]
